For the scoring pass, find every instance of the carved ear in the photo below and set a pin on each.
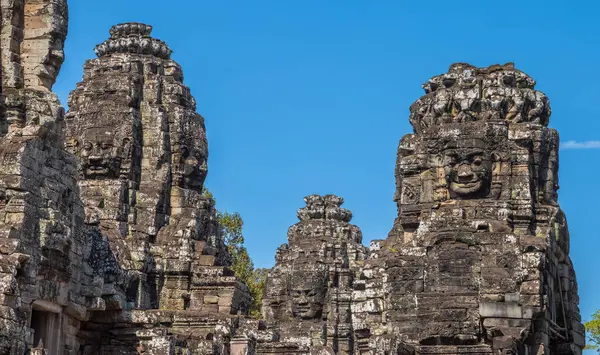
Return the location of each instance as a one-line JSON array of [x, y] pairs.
[[496, 163], [126, 145], [72, 143], [496, 158], [437, 161]]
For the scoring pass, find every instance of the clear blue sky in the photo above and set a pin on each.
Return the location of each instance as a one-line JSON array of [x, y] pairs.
[[312, 96]]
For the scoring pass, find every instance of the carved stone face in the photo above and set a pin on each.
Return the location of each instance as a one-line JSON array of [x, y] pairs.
[[308, 296], [101, 156], [53, 60], [43, 41], [47, 70], [192, 168], [468, 172]]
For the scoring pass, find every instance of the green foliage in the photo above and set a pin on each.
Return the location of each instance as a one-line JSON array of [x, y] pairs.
[[231, 224], [256, 285], [231, 227], [207, 193], [593, 332]]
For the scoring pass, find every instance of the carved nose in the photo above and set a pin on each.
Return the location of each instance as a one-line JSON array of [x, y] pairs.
[[189, 168], [464, 172]]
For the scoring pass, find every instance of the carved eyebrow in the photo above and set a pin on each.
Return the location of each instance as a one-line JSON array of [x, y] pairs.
[[453, 156], [472, 154]]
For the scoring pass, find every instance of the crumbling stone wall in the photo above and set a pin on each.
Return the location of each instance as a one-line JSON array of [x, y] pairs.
[[31, 41], [477, 260]]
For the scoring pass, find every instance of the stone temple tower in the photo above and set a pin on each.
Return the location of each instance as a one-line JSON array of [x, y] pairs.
[[478, 259], [308, 294]]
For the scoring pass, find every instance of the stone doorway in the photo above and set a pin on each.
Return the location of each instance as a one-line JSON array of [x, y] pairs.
[[47, 328]]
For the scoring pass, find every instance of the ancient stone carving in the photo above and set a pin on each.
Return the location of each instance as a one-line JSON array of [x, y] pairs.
[[41, 214], [465, 93], [147, 238], [308, 292], [190, 158], [32, 53], [484, 167], [133, 38], [103, 152], [468, 168], [107, 244], [42, 48]]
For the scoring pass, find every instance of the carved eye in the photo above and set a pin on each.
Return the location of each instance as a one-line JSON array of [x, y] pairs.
[[452, 159], [87, 146], [199, 156], [104, 145], [477, 161]]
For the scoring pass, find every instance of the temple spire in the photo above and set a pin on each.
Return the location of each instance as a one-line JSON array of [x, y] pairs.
[[133, 38]]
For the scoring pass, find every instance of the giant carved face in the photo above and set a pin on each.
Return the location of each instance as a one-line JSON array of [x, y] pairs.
[[468, 171], [308, 295], [190, 152], [192, 168], [53, 61], [43, 41], [101, 153]]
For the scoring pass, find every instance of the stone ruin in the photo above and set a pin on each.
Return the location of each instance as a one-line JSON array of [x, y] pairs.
[[477, 260], [108, 245], [308, 294]]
